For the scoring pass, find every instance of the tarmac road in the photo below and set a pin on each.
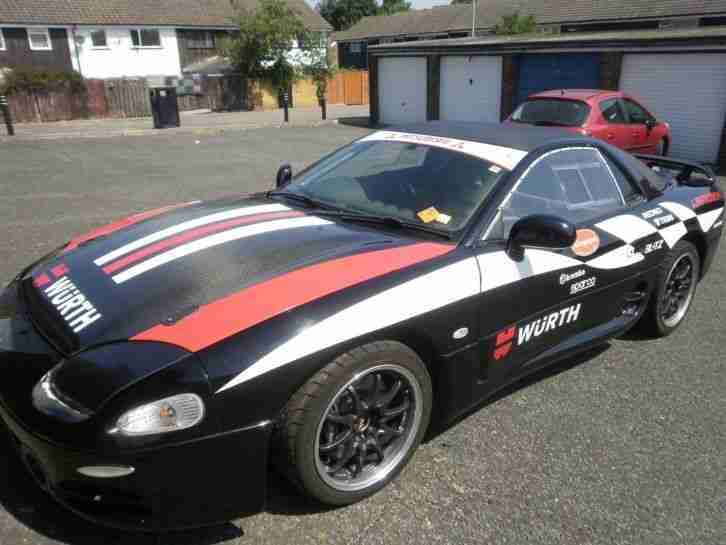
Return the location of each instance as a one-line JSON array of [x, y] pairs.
[[626, 446]]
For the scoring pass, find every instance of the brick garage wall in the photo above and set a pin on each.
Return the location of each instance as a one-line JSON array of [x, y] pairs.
[[610, 67], [510, 75]]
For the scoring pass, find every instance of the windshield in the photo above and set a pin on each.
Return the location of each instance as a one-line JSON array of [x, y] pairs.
[[411, 182], [552, 112]]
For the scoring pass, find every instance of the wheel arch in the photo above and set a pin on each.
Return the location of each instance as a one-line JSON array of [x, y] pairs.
[[699, 241]]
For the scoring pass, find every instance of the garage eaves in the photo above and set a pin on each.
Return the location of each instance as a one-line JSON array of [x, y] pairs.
[[698, 38]]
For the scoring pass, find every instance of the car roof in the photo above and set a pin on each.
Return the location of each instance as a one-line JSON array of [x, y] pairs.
[[507, 135], [573, 94]]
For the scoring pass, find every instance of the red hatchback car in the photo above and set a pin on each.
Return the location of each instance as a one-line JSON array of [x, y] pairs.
[[612, 116]]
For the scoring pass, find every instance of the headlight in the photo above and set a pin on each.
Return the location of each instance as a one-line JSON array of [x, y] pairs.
[[52, 403], [169, 414]]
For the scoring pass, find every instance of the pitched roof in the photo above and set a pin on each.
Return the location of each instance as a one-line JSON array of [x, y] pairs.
[[185, 13], [458, 17]]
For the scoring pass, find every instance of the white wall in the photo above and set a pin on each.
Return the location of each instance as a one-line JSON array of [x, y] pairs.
[[120, 59]]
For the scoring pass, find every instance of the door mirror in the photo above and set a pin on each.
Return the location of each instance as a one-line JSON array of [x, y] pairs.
[[539, 231], [650, 124], [284, 175]]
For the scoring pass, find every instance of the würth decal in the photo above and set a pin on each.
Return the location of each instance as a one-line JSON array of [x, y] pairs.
[[73, 306], [504, 343], [548, 323]]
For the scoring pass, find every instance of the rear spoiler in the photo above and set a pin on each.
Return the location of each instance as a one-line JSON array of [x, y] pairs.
[[685, 170]]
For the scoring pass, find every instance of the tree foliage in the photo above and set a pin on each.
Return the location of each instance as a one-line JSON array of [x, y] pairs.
[[29, 79], [343, 14], [389, 7], [266, 35], [515, 24], [461, 1]]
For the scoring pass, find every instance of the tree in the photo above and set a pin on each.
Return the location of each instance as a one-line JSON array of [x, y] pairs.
[[516, 24], [343, 14], [461, 1], [266, 35], [389, 7]]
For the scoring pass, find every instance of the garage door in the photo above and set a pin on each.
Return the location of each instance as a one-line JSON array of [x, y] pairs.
[[471, 88], [688, 91], [402, 89], [545, 72]]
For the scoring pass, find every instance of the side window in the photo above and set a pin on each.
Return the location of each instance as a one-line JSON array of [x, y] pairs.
[[611, 111], [636, 114], [630, 192], [575, 184]]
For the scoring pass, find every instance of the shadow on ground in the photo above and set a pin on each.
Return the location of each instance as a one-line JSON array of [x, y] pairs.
[[362, 122], [23, 499]]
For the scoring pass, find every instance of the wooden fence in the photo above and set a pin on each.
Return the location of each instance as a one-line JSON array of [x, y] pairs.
[[129, 97]]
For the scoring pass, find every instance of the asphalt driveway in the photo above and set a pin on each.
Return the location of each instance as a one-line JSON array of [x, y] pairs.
[[627, 445]]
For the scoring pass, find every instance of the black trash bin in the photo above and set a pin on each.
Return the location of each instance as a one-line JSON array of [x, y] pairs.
[[164, 107]]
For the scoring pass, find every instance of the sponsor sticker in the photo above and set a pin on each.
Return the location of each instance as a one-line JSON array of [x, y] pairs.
[[569, 277], [73, 306], [652, 213], [506, 338], [428, 214], [663, 220], [706, 198], [586, 243], [652, 247], [583, 285]]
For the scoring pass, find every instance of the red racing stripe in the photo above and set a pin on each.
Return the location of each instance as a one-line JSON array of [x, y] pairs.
[[118, 225], [220, 319], [192, 235]]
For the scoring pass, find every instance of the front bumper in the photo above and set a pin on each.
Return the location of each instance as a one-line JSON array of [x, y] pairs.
[[196, 483]]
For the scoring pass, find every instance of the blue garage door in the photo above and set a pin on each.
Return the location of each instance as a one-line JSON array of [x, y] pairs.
[[539, 73]]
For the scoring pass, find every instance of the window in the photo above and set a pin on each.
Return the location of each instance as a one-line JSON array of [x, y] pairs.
[[552, 112], [356, 47], [636, 114], [200, 39], [574, 184], [611, 111], [98, 39], [39, 39], [630, 193], [2, 40], [145, 37], [409, 181]]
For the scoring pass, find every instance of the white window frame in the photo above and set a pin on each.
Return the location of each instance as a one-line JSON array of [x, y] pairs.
[[3, 47], [141, 46], [209, 35], [35, 30], [90, 36], [541, 158]]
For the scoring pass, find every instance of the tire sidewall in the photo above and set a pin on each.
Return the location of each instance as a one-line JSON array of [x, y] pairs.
[[680, 249], [307, 435]]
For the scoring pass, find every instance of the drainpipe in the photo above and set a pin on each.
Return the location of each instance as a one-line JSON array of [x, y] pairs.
[[473, 18], [75, 48]]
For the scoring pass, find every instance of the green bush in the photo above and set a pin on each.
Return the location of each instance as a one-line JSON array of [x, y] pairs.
[[29, 80]]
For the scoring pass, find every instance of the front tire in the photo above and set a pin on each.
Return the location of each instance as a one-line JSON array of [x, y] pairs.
[[676, 282], [353, 426]]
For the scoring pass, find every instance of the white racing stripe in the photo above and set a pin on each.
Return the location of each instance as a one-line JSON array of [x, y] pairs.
[[708, 219], [683, 213], [423, 294], [627, 227], [506, 157], [187, 225], [618, 258], [215, 240], [498, 269]]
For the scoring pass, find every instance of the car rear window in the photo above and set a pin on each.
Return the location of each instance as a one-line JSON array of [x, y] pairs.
[[552, 112]]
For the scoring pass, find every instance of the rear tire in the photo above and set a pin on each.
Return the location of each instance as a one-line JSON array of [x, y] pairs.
[[353, 426], [676, 281]]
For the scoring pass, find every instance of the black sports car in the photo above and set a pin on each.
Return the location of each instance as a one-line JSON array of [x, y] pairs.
[[151, 367]]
